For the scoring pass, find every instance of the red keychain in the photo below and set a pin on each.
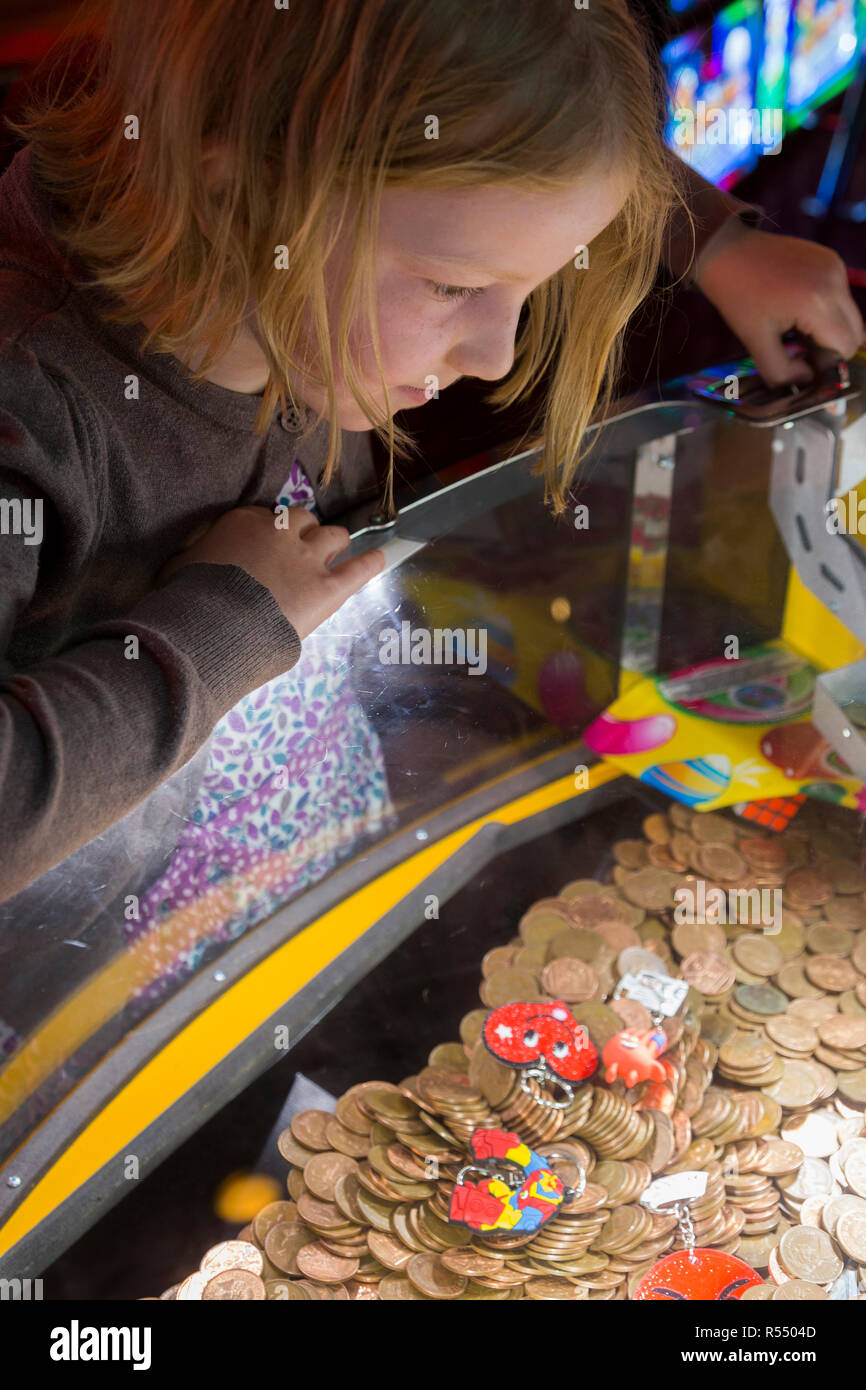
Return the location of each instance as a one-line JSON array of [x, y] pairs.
[[545, 1043], [694, 1275]]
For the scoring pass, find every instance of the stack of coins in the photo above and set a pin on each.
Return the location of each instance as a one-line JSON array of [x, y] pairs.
[[765, 1092]]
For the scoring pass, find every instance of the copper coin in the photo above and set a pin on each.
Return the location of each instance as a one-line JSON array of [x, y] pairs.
[[468, 1262], [283, 1242], [758, 954], [345, 1140], [430, 1276], [269, 1216], [310, 1127], [323, 1172], [652, 889], [707, 972], [317, 1262], [851, 1234], [831, 973], [292, 1151], [823, 939], [235, 1284], [843, 1031], [691, 938], [656, 828], [720, 861], [497, 959], [710, 826], [632, 854], [790, 1032], [807, 1253], [810, 888], [231, 1254], [599, 910], [569, 979], [509, 986]]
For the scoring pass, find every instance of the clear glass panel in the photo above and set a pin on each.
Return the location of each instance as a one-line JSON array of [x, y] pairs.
[[493, 645]]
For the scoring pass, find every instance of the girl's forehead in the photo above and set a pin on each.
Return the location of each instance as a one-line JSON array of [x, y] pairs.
[[501, 230]]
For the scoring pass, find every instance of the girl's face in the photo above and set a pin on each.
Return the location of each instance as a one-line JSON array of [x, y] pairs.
[[453, 271]]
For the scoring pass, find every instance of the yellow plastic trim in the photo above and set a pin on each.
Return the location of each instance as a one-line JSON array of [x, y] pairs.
[[810, 627]]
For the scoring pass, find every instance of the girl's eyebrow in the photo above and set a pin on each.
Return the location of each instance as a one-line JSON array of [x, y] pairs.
[[470, 262]]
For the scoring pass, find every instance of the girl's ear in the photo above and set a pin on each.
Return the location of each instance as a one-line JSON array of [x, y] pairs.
[[218, 166]]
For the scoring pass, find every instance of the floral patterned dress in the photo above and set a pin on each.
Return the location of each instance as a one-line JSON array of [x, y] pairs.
[[295, 776]]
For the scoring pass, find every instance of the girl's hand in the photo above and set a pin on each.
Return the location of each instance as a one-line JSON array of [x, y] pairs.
[[763, 285], [290, 562]]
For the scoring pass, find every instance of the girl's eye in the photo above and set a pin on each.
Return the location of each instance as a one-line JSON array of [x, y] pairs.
[[446, 292]]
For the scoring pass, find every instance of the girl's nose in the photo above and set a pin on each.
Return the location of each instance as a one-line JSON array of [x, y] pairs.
[[486, 347]]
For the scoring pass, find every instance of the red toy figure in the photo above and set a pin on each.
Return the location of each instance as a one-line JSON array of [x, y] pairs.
[[527, 1035], [632, 1055]]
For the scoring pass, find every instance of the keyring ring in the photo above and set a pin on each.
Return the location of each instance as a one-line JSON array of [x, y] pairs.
[[569, 1193], [545, 1076], [471, 1168]]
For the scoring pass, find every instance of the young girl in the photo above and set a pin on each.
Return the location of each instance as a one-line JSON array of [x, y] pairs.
[[255, 232]]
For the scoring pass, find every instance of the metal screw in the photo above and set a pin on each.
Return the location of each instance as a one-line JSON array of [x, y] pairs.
[[846, 733], [219, 976], [788, 425], [421, 835], [14, 1181], [665, 462]]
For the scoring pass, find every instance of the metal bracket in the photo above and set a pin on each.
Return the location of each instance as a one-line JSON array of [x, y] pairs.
[[831, 564]]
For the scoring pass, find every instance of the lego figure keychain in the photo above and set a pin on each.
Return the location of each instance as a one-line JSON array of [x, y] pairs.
[[692, 1274], [503, 1202]]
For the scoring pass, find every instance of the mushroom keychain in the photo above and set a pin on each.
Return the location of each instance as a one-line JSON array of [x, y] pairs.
[[693, 1274], [546, 1044]]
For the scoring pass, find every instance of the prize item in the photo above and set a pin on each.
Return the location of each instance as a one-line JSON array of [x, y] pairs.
[[632, 1055], [691, 1274], [546, 1044], [503, 1202]]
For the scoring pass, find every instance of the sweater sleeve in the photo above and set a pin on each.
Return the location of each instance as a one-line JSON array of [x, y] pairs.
[[694, 221], [91, 731]]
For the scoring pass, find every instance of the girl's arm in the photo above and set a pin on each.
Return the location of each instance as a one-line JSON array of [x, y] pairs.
[[91, 731]]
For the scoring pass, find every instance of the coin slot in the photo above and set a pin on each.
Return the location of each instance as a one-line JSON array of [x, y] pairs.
[[833, 579], [800, 465]]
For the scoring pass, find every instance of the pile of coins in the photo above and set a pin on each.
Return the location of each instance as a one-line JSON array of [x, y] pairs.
[[765, 1093]]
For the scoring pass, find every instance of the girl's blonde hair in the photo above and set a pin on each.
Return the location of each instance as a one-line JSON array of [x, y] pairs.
[[319, 101]]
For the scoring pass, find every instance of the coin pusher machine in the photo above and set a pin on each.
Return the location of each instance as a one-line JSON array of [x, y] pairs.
[[145, 1088]]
